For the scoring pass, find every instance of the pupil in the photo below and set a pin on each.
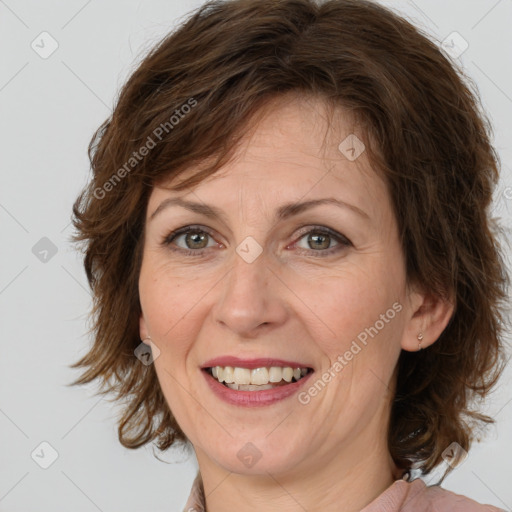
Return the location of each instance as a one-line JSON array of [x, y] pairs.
[[195, 238], [319, 245]]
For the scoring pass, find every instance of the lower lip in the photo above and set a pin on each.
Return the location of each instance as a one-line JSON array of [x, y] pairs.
[[253, 398]]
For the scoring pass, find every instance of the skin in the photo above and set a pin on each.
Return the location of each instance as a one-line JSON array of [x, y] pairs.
[[290, 303]]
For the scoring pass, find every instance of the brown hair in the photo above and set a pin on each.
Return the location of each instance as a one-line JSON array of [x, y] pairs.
[[190, 101]]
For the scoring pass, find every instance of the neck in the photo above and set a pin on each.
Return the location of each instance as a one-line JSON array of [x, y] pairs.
[[346, 480]]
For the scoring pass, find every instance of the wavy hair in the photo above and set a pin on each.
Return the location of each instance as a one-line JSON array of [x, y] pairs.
[[191, 100]]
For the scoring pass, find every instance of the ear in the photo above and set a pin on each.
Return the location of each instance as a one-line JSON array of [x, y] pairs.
[[429, 316], [143, 330]]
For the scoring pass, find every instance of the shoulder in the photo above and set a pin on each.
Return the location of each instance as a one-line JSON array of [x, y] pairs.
[[418, 496], [196, 499], [415, 496]]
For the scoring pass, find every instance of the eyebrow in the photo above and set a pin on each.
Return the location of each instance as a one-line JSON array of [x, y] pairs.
[[283, 212]]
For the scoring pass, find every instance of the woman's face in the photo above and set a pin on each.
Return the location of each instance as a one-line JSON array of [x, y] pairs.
[[320, 286]]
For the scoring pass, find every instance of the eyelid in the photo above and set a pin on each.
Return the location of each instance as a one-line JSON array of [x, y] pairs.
[[325, 230], [342, 240], [167, 239]]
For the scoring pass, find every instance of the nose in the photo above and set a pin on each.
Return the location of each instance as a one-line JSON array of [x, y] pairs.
[[252, 298]]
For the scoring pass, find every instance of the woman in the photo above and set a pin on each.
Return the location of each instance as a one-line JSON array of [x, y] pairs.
[[293, 269]]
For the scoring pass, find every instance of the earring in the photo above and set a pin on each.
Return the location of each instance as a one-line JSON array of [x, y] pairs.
[[146, 339], [420, 337]]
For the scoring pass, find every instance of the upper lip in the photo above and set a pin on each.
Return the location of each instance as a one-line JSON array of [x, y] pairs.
[[252, 363]]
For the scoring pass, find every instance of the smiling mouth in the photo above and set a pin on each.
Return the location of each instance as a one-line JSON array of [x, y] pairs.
[[257, 379]]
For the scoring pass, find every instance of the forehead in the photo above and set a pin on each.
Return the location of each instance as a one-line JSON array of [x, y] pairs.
[[295, 148]]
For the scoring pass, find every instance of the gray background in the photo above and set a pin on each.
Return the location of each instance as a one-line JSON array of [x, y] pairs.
[[49, 110]]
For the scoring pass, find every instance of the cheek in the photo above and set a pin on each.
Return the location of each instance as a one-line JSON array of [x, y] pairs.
[[170, 307], [350, 304], [168, 303], [363, 311], [334, 306]]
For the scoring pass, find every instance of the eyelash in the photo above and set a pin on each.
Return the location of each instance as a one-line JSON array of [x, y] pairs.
[[342, 240]]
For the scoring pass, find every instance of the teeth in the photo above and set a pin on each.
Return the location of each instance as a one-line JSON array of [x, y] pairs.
[[288, 374], [249, 387], [229, 374], [275, 374], [241, 376], [260, 378]]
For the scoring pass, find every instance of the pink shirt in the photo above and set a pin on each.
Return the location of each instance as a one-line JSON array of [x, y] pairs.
[[401, 496]]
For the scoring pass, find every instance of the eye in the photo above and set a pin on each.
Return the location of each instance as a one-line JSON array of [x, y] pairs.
[[319, 240], [190, 239], [193, 240]]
